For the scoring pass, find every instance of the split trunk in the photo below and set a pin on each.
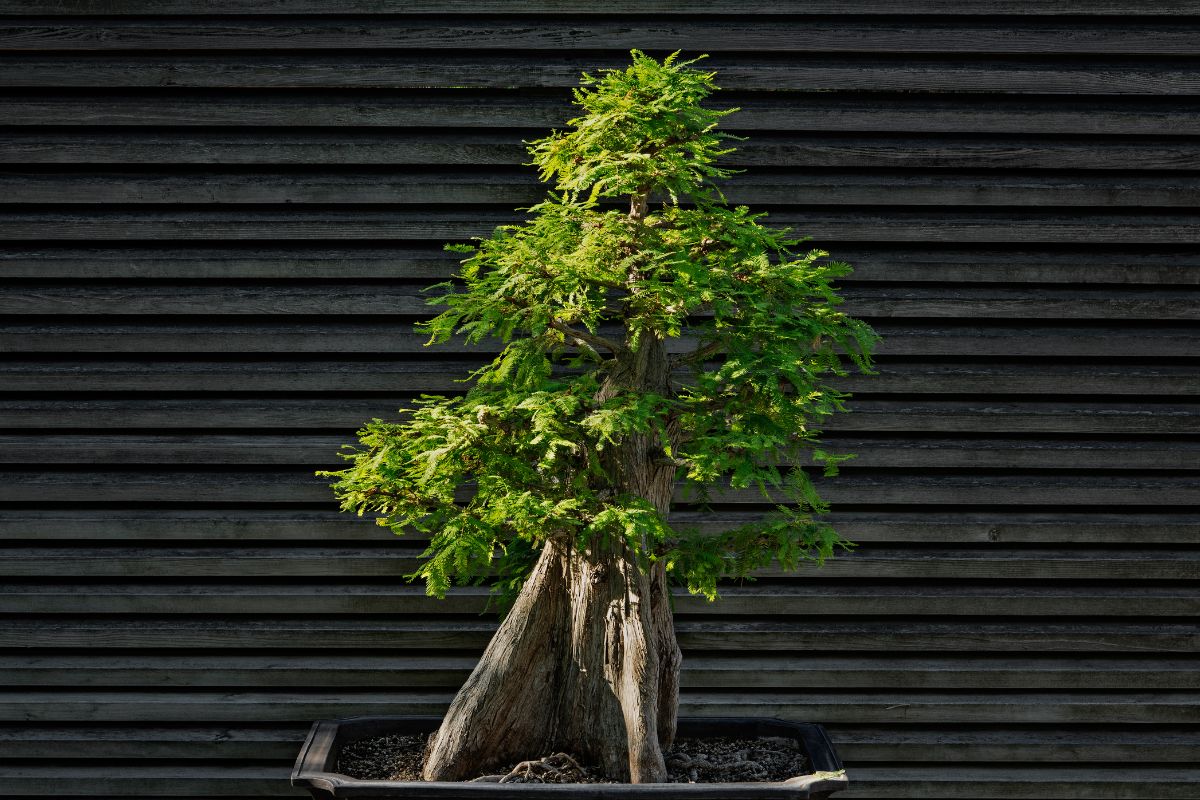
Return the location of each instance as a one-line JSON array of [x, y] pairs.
[[586, 660]]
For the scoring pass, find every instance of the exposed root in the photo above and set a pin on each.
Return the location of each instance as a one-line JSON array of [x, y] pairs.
[[556, 768]]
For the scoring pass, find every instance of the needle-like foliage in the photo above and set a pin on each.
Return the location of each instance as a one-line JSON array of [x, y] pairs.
[[751, 322]]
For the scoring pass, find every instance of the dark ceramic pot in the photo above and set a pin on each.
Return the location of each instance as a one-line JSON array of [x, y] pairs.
[[318, 758]]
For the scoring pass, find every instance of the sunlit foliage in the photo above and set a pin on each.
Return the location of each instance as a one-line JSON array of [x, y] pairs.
[[595, 272]]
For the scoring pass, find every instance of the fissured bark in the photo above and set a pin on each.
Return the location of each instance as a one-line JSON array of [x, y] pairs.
[[586, 660]]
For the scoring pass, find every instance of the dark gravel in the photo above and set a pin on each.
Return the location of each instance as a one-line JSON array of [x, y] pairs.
[[384, 758], [715, 760]]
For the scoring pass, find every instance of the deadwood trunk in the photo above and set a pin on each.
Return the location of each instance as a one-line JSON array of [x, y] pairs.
[[586, 660]]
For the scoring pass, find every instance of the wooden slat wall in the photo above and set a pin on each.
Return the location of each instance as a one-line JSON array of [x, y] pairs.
[[216, 219]]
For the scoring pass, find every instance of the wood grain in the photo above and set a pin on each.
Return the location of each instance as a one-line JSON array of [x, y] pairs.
[[801, 8], [886, 262], [218, 218], [832, 228], [766, 149], [386, 559], [1141, 78], [357, 112], [547, 33], [510, 189], [302, 528]]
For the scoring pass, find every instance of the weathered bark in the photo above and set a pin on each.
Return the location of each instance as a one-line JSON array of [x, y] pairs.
[[577, 665], [586, 660]]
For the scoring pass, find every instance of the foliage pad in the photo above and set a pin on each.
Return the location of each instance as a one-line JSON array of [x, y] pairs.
[[751, 324]]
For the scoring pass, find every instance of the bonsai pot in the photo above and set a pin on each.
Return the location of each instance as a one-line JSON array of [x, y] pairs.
[[317, 762]]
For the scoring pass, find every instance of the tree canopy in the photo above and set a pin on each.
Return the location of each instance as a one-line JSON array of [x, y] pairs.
[[635, 244]]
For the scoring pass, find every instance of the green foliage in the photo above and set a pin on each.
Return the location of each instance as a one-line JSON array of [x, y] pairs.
[[575, 291], [643, 127]]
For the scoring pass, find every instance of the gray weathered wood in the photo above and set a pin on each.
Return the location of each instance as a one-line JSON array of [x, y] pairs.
[[1032, 783], [422, 188], [758, 671], [390, 635], [954, 783], [183, 300], [1127, 745], [118, 742], [246, 598], [1090, 339], [1144, 77], [419, 264], [856, 707], [950, 226], [924, 379], [865, 487], [394, 559], [767, 149], [928, 114], [298, 527], [800, 8], [1030, 744], [799, 35], [925, 453], [936, 781]]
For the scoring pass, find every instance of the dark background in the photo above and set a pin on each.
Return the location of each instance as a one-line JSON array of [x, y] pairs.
[[217, 218]]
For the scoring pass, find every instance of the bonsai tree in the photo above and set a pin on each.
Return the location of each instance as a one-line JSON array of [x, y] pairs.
[[655, 341]]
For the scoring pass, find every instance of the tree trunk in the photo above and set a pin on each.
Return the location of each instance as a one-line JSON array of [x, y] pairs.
[[586, 660]]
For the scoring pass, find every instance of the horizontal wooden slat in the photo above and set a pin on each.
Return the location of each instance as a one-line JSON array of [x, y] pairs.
[[927, 189], [1040, 302], [349, 413], [942, 115], [1008, 744], [181, 146], [1092, 339], [1025, 783], [829, 705], [1078, 378], [950, 226], [800, 35], [867, 416], [870, 783], [857, 746], [350, 670], [384, 8], [852, 487], [247, 598], [148, 781], [123, 526], [761, 671], [985, 636], [182, 300], [1145, 77], [1016, 417], [425, 264], [185, 743], [925, 453], [877, 562]]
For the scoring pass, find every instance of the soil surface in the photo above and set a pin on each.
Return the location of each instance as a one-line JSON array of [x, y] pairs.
[[711, 760]]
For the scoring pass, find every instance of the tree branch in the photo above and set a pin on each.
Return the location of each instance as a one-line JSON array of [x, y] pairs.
[[590, 338], [699, 354], [639, 203]]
